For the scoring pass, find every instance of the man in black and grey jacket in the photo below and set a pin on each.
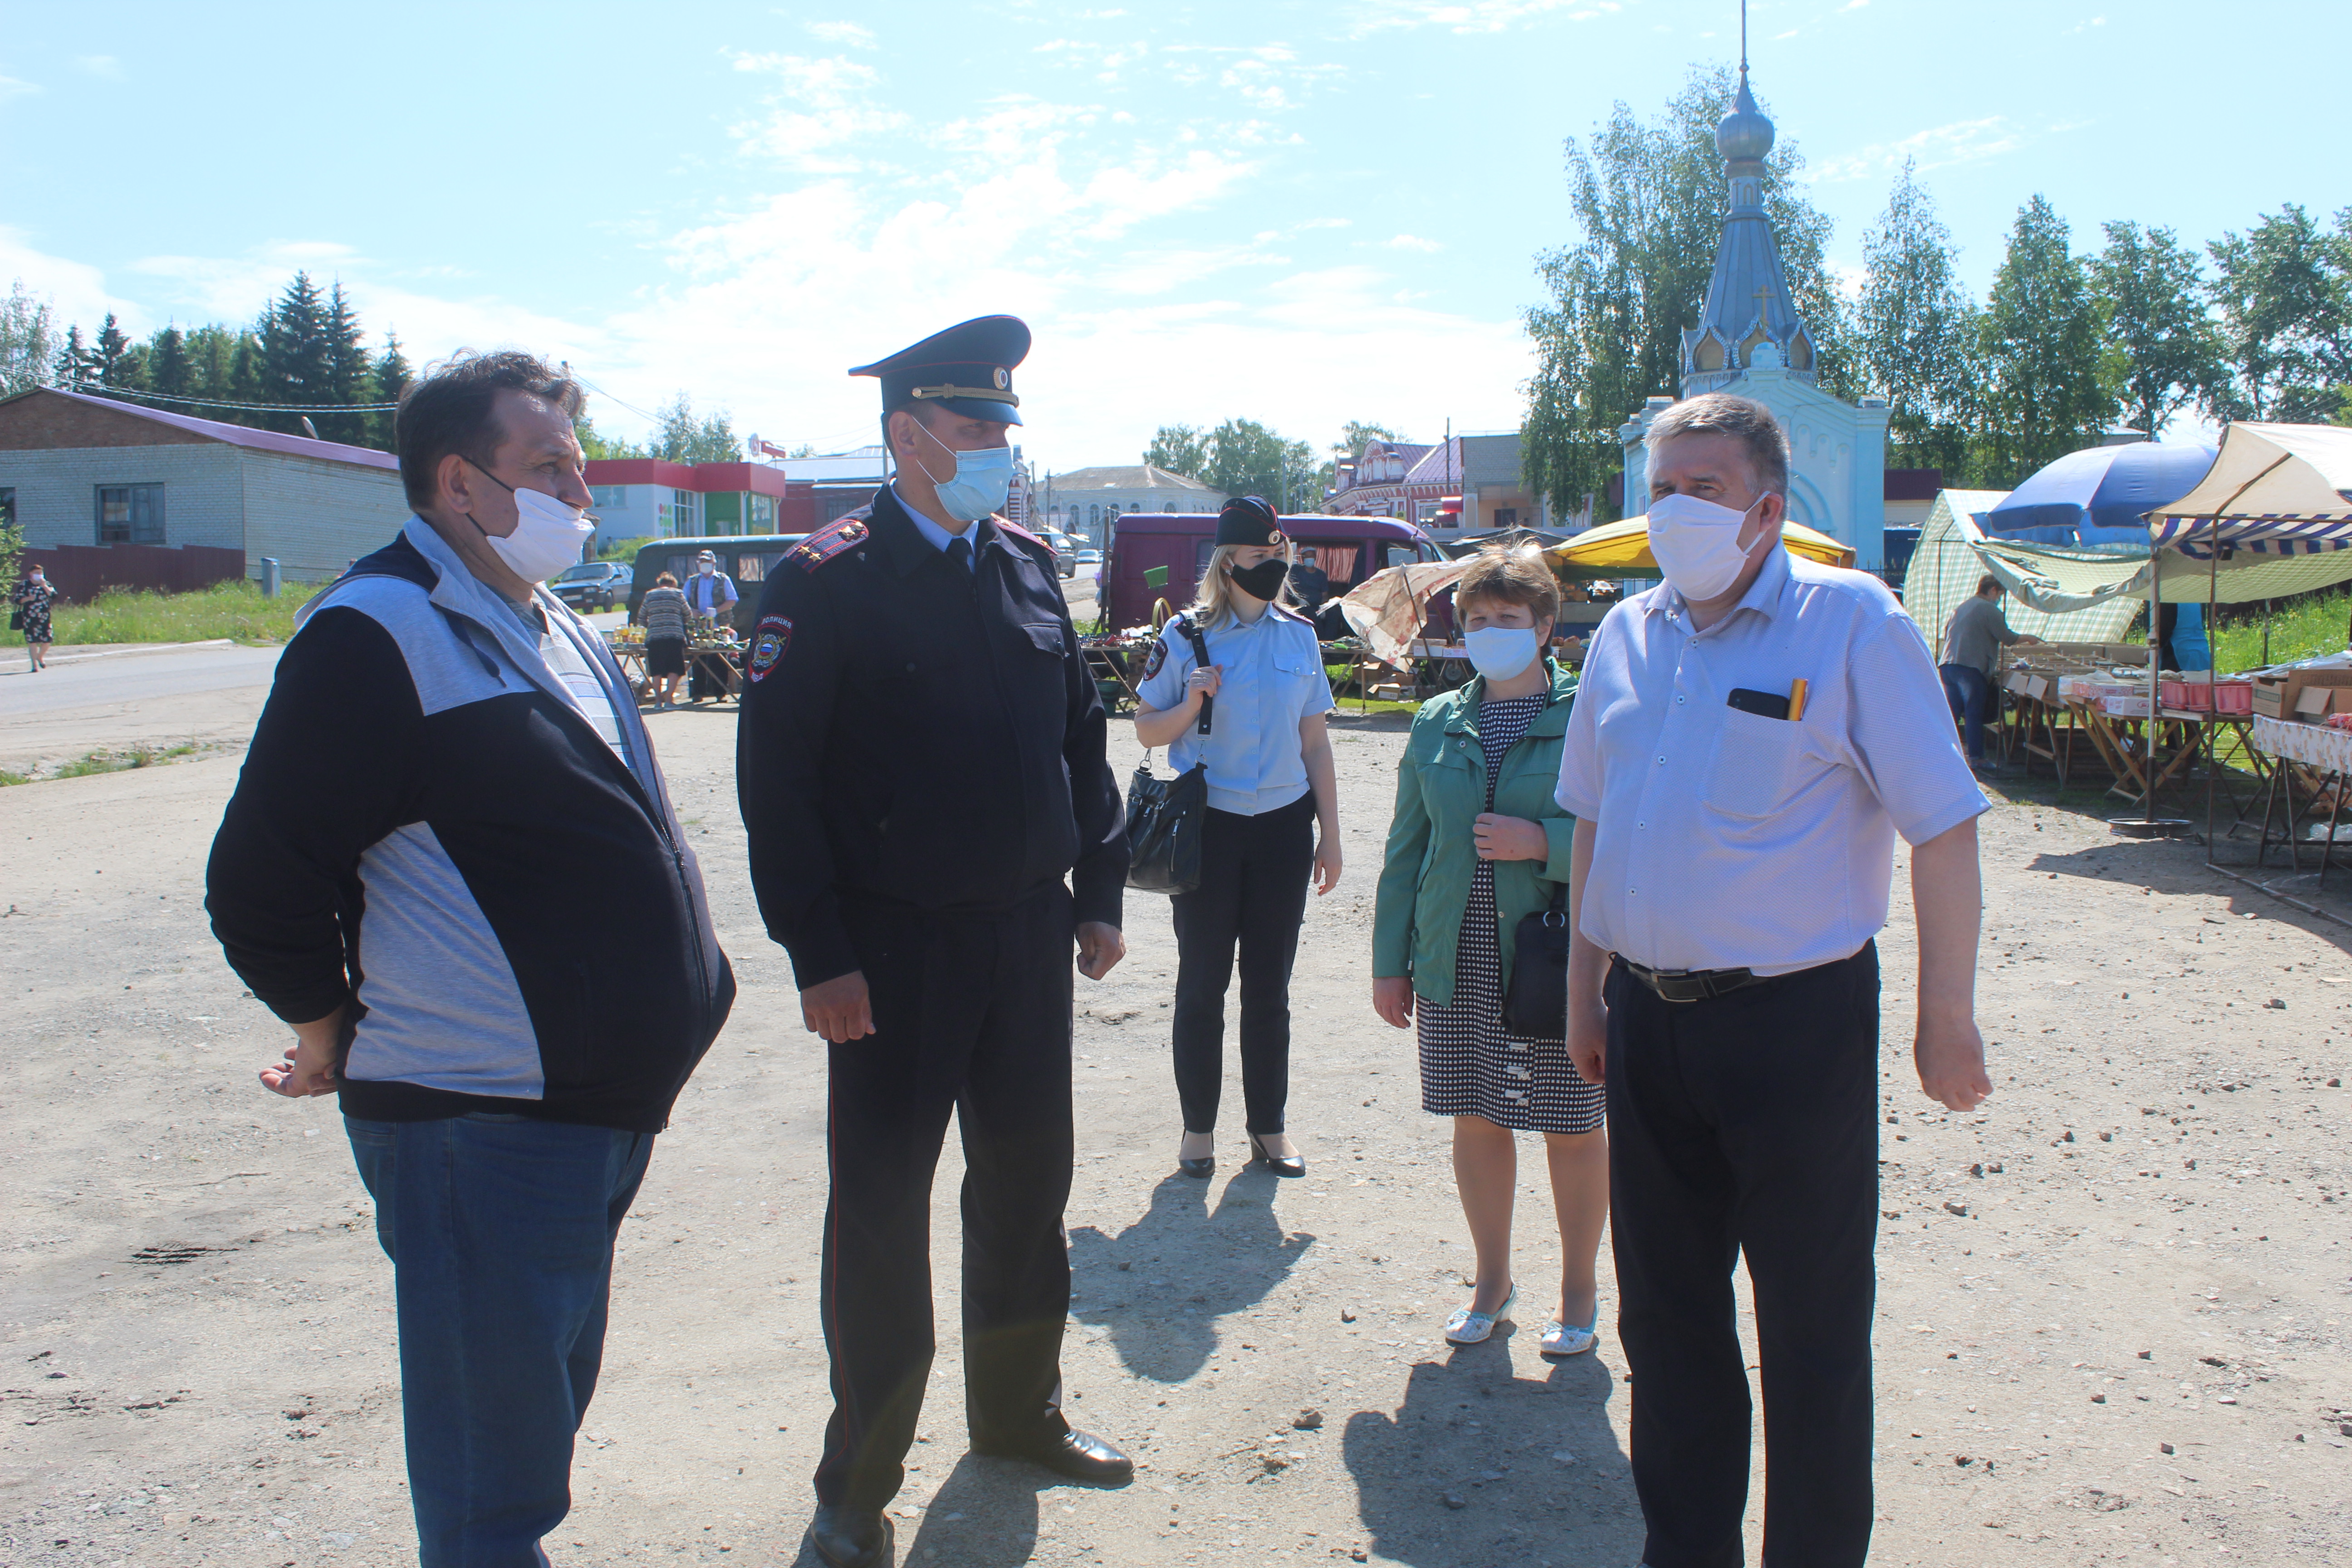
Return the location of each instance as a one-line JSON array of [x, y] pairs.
[[452, 867]]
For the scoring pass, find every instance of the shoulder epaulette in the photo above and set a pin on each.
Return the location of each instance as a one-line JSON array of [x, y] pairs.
[[1021, 533], [842, 533]]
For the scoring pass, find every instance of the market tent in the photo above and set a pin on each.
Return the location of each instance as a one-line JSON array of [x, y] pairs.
[[1623, 549], [1388, 608], [2275, 489]]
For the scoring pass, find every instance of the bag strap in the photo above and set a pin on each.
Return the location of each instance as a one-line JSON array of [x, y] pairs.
[[1200, 659]]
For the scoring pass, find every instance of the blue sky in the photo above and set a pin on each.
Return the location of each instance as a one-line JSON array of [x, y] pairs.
[[1300, 213]]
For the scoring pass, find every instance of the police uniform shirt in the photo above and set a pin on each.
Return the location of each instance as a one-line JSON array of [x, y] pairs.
[[939, 537], [1273, 678], [1725, 839]]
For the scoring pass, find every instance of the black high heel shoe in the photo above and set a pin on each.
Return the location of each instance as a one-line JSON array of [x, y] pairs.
[[1280, 1165], [1199, 1170]]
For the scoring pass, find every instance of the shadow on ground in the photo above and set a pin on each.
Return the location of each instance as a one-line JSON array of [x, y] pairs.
[[1482, 1465], [1160, 1285], [984, 1516]]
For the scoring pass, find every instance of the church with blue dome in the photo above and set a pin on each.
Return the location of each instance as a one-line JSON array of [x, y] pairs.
[[1750, 341]]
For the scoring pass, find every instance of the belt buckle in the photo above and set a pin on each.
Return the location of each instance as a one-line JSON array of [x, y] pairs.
[[1661, 978]]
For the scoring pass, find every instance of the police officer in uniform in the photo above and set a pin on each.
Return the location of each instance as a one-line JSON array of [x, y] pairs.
[[920, 764]]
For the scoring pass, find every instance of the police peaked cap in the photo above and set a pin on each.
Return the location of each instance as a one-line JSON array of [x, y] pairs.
[[967, 370], [1247, 520]]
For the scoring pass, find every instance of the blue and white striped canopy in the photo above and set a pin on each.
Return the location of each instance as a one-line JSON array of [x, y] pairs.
[[2274, 490]]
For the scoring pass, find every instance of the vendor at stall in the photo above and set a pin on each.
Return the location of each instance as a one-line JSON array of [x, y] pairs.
[[710, 595], [1973, 639]]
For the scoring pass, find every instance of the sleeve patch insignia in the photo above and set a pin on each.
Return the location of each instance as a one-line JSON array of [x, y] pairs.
[[769, 640], [1154, 659]]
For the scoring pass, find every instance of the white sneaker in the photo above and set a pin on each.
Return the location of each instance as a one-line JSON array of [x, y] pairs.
[[1468, 1328], [1566, 1340]]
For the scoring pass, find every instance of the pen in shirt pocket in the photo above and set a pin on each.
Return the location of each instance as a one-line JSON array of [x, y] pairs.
[[1797, 698]]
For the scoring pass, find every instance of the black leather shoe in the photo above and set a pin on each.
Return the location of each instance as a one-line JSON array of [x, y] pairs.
[[1280, 1165], [1080, 1455], [849, 1537], [1199, 1170]]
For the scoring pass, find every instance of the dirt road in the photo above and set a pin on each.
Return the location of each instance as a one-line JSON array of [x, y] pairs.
[[2114, 1303]]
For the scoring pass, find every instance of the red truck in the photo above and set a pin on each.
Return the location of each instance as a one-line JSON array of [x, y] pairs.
[[1347, 549]]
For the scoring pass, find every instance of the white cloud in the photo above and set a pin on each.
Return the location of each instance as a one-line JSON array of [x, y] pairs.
[[822, 107], [848, 35], [13, 87], [1412, 242], [1471, 15], [78, 290], [102, 66], [1961, 142]]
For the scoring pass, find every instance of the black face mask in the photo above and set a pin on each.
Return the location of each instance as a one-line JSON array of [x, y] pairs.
[[1263, 581]]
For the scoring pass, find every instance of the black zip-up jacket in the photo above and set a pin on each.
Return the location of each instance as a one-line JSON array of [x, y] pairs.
[[920, 733], [425, 826]]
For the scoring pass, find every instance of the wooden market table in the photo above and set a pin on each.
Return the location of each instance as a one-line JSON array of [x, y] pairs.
[[715, 655]]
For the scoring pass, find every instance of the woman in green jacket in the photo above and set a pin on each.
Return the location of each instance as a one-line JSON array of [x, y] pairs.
[[1477, 844]]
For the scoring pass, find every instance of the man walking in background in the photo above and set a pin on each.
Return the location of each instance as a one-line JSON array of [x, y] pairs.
[[920, 764], [452, 867], [1973, 639], [1748, 740]]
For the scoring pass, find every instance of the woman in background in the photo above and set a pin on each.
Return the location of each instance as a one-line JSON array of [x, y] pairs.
[[1478, 844], [1271, 783], [664, 614], [32, 598]]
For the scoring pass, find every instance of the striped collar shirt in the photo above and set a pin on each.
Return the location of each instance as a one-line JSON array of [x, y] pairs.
[[1726, 840]]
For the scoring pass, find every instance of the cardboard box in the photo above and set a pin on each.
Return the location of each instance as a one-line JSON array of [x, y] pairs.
[[2278, 696]]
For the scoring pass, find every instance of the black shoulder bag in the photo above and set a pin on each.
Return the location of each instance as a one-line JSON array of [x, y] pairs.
[[1166, 817], [1534, 1007]]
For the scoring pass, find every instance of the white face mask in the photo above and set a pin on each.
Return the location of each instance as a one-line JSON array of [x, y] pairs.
[[1696, 544], [1501, 652], [547, 535]]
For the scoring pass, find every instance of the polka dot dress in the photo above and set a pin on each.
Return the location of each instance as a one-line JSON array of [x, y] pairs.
[[1469, 1066]]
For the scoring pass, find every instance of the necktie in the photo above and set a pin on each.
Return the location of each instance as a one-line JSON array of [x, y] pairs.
[[960, 554]]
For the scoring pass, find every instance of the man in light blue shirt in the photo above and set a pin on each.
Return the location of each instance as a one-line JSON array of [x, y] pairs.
[[1748, 741]]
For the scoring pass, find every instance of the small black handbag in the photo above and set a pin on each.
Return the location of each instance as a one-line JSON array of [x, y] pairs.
[[1166, 818], [1535, 1006]]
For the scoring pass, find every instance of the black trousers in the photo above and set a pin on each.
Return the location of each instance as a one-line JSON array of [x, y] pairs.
[[971, 1015], [1749, 1124], [1252, 894]]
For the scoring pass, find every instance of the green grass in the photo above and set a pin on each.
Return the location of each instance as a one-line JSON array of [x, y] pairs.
[[233, 610], [91, 762], [2299, 629]]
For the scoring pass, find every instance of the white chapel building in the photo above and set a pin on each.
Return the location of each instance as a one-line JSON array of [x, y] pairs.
[[1748, 340]]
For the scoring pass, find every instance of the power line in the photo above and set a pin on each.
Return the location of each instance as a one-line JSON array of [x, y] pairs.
[[99, 389]]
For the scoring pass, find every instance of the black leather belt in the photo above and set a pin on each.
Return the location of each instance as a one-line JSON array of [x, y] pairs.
[[1686, 984]]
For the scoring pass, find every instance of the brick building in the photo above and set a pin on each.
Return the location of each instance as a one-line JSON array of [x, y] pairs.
[[81, 474]]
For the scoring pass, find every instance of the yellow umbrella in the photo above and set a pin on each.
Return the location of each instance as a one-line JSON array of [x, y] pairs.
[[1622, 548]]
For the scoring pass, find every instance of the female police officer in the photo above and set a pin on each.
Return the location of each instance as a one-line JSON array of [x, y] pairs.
[[1270, 777]]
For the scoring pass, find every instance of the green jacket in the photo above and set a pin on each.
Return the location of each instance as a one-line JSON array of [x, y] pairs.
[[1441, 791]]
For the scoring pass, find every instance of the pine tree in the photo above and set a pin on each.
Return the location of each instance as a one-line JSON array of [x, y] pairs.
[[248, 372], [391, 382], [73, 363], [2041, 345], [169, 371], [212, 367], [1916, 335], [347, 377], [296, 359], [117, 361]]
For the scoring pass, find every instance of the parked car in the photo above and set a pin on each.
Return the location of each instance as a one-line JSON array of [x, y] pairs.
[[593, 584], [1066, 550], [1090, 556], [746, 558]]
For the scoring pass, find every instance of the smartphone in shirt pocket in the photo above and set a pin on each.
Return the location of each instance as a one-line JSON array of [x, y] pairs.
[[1754, 755]]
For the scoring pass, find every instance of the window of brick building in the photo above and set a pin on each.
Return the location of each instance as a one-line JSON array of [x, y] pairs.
[[131, 514]]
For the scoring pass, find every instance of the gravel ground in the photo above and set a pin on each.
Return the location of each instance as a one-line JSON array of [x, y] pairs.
[[2114, 1301]]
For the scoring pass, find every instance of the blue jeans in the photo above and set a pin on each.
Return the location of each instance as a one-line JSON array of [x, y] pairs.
[[501, 1230], [1970, 694]]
